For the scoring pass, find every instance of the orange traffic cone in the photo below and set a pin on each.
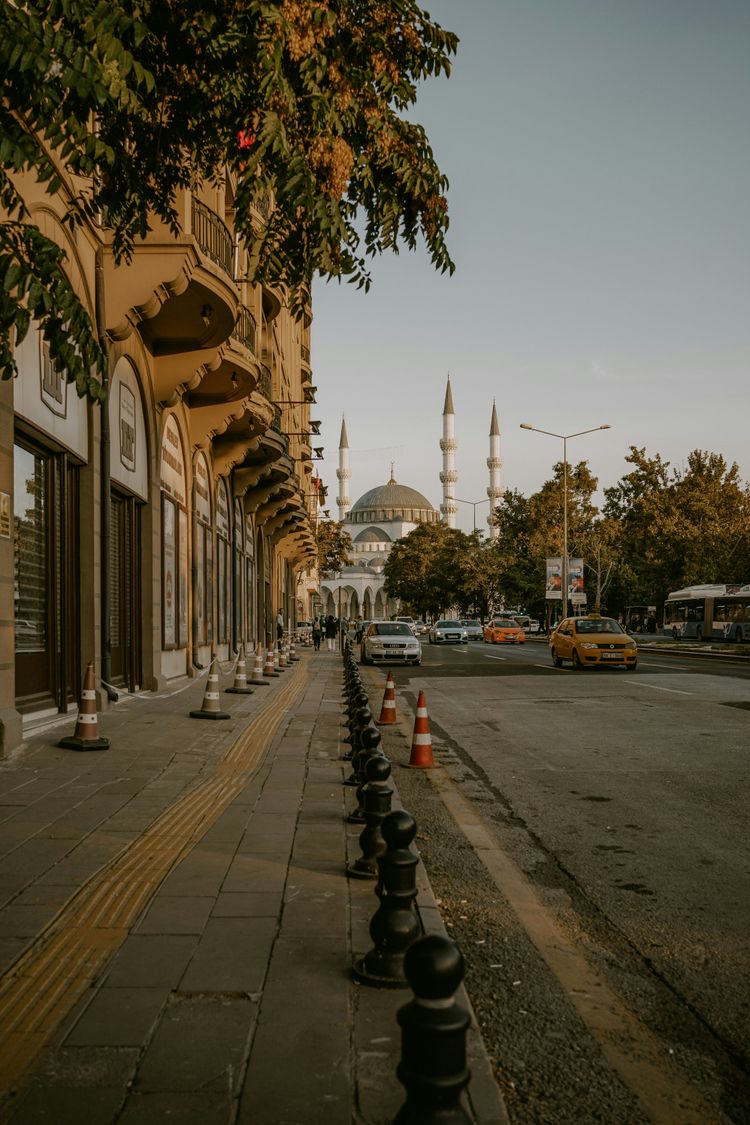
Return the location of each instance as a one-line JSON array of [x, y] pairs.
[[86, 735], [257, 676], [270, 668], [388, 710], [240, 676], [421, 743], [210, 708]]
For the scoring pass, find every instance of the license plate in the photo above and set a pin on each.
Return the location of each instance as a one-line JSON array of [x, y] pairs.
[[393, 646], [612, 656]]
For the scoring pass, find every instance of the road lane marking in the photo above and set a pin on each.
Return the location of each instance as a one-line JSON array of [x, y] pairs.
[[491, 656], [551, 668], [629, 1046], [654, 687]]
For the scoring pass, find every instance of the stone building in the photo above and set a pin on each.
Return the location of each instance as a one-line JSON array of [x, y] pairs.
[[175, 522]]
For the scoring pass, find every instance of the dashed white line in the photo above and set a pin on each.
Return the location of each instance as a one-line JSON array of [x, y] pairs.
[[654, 687]]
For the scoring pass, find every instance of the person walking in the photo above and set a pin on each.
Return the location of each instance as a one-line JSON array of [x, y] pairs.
[[279, 629], [317, 632], [330, 632]]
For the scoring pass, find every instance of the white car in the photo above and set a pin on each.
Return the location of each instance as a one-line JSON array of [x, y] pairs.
[[390, 640], [474, 630], [448, 632]]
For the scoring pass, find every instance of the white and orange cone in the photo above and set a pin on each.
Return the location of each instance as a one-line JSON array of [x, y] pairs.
[[283, 662], [210, 708], [257, 676], [86, 735], [388, 709], [240, 687], [270, 668], [421, 743]]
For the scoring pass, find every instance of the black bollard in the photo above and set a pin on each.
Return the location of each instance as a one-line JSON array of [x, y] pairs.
[[377, 805], [433, 1036], [369, 746], [362, 721], [395, 925]]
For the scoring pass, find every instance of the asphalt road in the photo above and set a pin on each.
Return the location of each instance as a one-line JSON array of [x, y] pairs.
[[622, 798]]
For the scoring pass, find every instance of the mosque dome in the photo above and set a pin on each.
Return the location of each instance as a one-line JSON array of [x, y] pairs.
[[372, 535], [392, 501]]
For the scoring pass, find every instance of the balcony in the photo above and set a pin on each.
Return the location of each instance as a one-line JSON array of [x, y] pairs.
[[264, 382], [177, 292], [245, 329]]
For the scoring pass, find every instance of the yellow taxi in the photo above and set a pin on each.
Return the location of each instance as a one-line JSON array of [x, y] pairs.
[[593, 641], [504, 630]]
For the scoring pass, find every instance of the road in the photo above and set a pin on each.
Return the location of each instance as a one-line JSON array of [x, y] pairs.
[[616, 803]]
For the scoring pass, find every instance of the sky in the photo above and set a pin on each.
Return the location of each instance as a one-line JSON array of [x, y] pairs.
[[599, 167]]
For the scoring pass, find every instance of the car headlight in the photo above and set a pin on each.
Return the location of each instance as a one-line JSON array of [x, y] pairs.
[[588, 644]]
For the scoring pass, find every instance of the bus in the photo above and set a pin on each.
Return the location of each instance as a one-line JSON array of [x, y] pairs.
[[720, 613]]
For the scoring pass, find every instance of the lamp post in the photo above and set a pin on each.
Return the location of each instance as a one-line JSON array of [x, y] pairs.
[[473, 504], [564, 438]]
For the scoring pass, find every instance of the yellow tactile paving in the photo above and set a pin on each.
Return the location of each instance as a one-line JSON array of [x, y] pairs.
[[45, 983]]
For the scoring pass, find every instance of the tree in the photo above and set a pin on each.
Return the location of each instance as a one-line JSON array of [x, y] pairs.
[[424, 568], [333, 545], [303, 102]]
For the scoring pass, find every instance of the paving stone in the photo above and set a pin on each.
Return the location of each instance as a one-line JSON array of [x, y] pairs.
[[201, 873], [68, 1107], [78, 1067], [176, 915], [261, 904], [256, 873], [182, 1109], [232, 956], [24, 921], [118, 1017], [151, 960], [199, 1045]]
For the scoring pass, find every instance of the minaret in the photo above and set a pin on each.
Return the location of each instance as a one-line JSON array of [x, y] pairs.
[[494, 464], [343, 473], [449, 476]]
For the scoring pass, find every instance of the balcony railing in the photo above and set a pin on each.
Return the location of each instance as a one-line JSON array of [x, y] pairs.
[[264, 382], [212, 235], [244, 329]]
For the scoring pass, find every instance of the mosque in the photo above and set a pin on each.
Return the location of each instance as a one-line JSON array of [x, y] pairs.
[[387, 513]]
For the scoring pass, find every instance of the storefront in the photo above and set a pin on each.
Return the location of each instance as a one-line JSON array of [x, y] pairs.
[[174, 551], [49, 456], [129, 494]]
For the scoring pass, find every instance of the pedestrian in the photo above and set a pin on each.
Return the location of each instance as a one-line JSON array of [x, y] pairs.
[[279, 629], [317, 631], [330, 631]]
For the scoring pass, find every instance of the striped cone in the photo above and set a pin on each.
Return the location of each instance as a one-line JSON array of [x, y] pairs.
[[388, 710], [210, 708], [257, 676], [240, 676], [421, 743], [292, 653], [270, 668], [283, 662], [86, 735]]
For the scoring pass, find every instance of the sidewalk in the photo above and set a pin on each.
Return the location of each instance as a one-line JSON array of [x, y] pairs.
[[177, 930]]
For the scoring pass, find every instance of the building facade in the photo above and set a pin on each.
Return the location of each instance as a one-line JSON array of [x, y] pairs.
[[173, 523]]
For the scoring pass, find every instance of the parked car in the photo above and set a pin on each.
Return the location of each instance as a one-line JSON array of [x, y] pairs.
[[504, 630], [390, 640], [448, 632], [474, 630], [593, 640]]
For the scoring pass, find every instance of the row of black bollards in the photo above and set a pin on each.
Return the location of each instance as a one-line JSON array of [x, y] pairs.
[[433, 1025]]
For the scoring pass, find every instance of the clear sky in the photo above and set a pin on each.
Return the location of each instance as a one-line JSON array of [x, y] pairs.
[[598, 153]]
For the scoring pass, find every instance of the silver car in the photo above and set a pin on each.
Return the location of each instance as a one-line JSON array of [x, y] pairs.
[[474, 630], [448, 632], [390, 640]]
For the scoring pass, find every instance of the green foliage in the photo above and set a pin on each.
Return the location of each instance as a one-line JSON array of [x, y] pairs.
[[120, 106], [424, 568], [333, 545]]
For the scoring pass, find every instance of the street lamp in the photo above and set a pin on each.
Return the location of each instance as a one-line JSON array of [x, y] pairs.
[[474, 506], [564, 438]]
